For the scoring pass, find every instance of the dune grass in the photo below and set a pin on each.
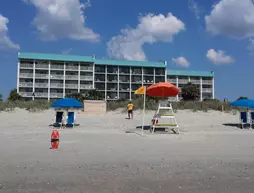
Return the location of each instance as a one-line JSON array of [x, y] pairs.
[[151, 104]]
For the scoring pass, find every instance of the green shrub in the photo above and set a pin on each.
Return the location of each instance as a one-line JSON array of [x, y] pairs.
[[152, 104]]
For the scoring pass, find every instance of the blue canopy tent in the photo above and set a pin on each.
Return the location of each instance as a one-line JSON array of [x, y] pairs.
[[244, 103], [246, 117], [67, 105]]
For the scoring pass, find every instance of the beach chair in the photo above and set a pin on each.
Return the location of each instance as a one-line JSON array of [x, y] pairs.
[[252, 119], [59, 119], [244, 119], [70, 120]]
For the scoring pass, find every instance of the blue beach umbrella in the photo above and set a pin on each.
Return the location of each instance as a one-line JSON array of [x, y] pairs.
[[67, 103], [245, 103]]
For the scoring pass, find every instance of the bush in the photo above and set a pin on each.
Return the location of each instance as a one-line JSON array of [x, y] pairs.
[[32, 106], [152, 104], [14, 96], [190, 92]]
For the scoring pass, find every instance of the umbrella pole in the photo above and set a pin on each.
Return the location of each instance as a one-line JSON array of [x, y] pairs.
[[144, 106]]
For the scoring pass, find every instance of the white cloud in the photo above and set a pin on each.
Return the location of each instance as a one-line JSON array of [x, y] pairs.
[[5, 41], [234, 18], [181, 61], [251, 45], [68, 51], [151, 29], [219, 57], [57, 19], [194, 7]]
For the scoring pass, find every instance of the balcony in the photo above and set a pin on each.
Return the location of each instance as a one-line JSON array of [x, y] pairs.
[[89, 78], [41, 85], [195, 81], [57, 67], [85, 86], [71, 77], [172, 80], [71, 68], [26, 65], [25, 84], [71, 86], [112, 81], [41, 94], [56, 85], [182, 81], [43, 76], [41, 66], [56, 76], [26, 94], [56, 95], [207, 82], [148, 81], [99, 80], [207, 90], [136, 82], [86, 68], [26, 75], [124, 90], [112, 89]]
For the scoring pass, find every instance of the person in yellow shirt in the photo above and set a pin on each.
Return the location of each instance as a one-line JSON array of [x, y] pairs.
[[130, 108]]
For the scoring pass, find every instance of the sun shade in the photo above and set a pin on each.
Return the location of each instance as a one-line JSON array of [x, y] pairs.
[[162, 89]]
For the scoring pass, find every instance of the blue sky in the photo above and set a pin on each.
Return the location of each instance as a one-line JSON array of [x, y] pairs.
[[189, 34]]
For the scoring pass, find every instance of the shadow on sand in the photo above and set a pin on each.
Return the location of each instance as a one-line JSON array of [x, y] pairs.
[[240, 126]]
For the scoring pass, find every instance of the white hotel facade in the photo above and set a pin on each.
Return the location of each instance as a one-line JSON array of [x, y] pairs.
[[52, 76]]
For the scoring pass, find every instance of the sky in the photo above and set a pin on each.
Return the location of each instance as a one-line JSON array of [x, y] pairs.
[[210, 35]]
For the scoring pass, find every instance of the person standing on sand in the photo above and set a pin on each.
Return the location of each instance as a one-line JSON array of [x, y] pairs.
[[130, 108]]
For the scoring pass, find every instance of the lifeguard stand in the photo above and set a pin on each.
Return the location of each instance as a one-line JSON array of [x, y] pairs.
[[164, 118]]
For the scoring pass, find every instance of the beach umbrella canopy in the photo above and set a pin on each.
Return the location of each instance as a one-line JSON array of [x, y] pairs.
[[246, 103], [67, 103], [162, 89]]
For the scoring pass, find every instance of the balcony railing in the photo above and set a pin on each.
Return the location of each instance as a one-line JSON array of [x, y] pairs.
[[112, 89], [136, 72], [26, 94], [113, 81], [41, 76], [56, 95], [58, 67], [25, 84], [207, 90], [56, 76], [86, 78], [26, 75], [72, 86], [42, 66], [41, 94], [86, 68], [71, 67], [172, 80], [71, 77], [41, 85], [183, 81], [207, 81], [56, 85], [85, 86], [26, 65], [195, 81]]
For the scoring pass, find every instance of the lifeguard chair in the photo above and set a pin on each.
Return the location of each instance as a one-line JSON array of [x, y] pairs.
[[164, 118]]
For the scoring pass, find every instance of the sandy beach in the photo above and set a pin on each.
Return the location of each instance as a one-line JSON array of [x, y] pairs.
[[107, 154]]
